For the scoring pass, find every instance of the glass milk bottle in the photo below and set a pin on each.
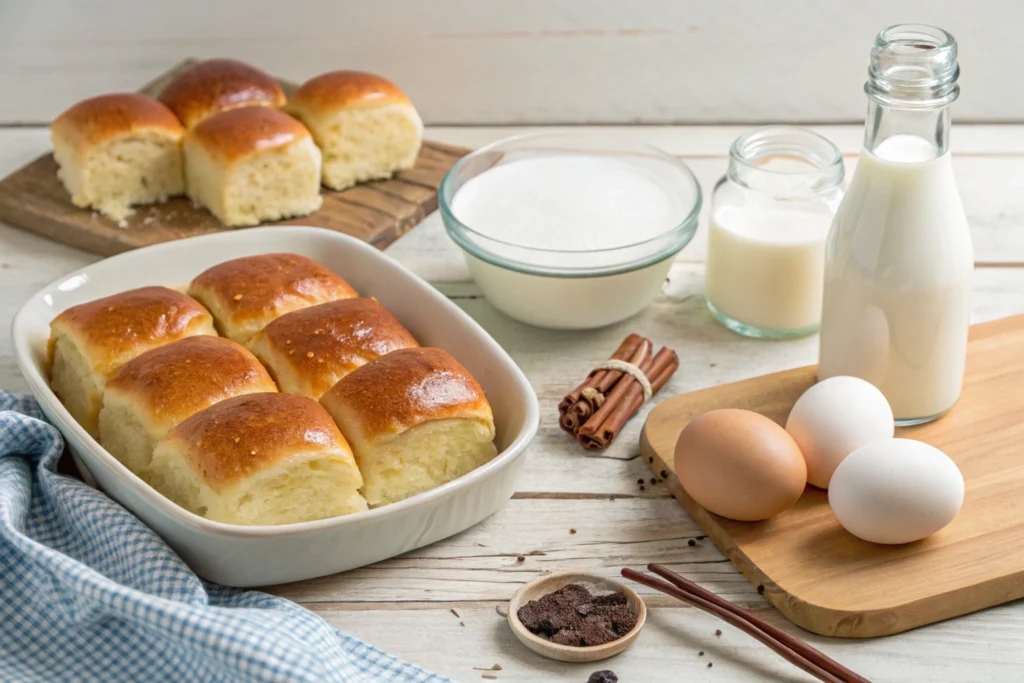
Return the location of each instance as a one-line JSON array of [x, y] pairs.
[[899, 258], [770, 216]]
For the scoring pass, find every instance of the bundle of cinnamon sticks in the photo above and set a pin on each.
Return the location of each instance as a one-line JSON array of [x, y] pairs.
[[596, 410]]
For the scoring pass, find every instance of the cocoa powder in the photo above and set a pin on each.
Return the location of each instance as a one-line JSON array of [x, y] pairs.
[[573, 616]]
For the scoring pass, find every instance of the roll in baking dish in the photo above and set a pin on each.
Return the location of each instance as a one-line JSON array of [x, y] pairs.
[[91, 341], [159, 389], [259, 459], [415, 419], [309, 350], [245, 294]]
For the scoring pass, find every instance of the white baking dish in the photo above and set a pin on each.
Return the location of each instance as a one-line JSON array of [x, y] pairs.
[[256, 556]]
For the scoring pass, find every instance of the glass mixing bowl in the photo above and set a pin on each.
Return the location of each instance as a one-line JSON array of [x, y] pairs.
[[549, 270]]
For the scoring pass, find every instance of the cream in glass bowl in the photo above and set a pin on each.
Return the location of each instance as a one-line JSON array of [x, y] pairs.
[[570, 230]]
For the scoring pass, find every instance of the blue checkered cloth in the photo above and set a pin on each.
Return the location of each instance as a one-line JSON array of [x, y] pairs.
[[89, 593]]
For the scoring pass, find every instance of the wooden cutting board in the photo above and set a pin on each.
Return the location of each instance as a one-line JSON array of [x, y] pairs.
[[829, 582], [380, 212]]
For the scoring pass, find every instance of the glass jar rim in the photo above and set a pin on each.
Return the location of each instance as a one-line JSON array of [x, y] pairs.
[[823, 159], [635, 254]]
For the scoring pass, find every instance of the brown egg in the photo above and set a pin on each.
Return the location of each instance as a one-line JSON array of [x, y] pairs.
[[740, 464]]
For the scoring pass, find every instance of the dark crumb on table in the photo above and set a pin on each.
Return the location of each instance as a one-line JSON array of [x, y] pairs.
[[701, 653], [521, 558], [462, 623], [572, 531], [691, 543], [710, 665], [664, 474], [604, 676], [760, 589], [653, 481], [651, 459], [718, 632], [452, 610], [642, 487], [640, 481]]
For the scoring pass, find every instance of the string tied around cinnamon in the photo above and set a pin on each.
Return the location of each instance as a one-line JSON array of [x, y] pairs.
[[596, 410], [638, 374]]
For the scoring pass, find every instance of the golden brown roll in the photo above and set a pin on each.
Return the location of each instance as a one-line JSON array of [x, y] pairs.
[[246, 293], [365, 126], [309, 350], [415, 419], [217, 85], [251, 165], [91, 341], [259, 459], [115, 151], [160, 388]]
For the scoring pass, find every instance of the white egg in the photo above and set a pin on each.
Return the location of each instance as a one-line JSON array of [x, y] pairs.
[[834, 418], [896, 491]]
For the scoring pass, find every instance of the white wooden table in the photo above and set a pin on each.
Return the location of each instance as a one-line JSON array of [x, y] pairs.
[[437, 606]]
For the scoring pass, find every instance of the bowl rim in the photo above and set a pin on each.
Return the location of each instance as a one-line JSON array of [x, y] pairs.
[[40, 389], [684, 230]]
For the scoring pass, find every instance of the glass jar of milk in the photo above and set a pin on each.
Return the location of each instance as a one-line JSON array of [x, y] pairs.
[[770, 215], [899, 259]]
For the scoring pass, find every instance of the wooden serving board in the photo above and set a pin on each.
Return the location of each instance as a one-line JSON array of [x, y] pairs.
[[379, 212], [830, 582]]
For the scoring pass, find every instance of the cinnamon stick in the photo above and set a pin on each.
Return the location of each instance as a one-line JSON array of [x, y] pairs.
[[596, 400], [575, 409], [614, 399], [623, 402]]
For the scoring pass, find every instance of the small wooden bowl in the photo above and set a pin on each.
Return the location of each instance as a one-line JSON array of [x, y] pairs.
[[567, 653]]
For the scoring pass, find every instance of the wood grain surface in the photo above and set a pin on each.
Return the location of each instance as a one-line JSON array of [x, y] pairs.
[[829, 582], [32, 198]]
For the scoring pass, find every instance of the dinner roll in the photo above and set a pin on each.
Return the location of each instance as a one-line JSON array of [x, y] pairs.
[[246, 293], [309, 350], [251, 165], [155, 391], [91, 341], [366, 127], [259, 459], [217, 85], [415, 419], [117, 150]]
